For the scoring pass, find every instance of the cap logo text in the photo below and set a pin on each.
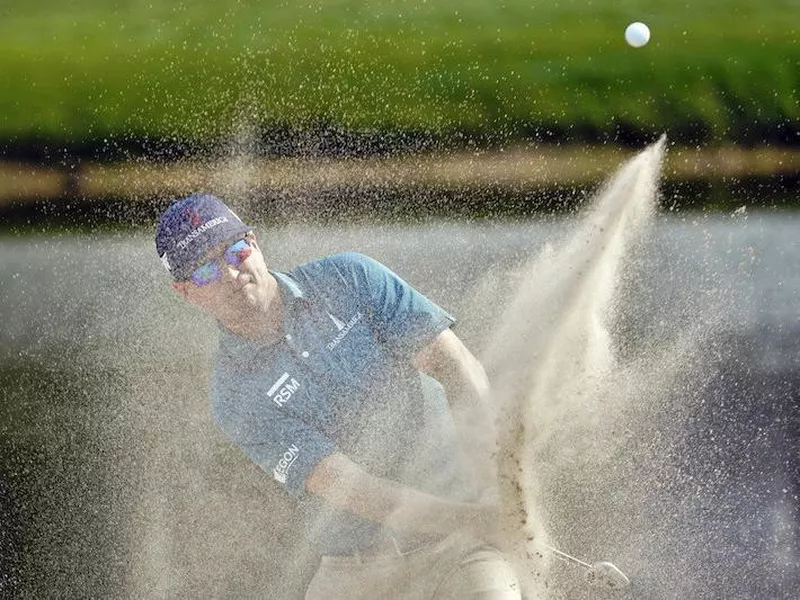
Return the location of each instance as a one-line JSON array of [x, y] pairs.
[[194, 233]]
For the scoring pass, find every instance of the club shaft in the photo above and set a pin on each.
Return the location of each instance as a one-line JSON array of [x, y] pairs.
[[568, 558]]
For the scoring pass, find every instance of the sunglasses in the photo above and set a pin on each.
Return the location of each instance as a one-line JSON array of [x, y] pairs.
[[212, 271]]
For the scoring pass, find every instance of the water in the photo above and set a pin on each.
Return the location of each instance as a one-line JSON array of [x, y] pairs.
[[114, 481]]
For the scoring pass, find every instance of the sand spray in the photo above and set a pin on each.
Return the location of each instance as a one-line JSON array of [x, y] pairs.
[[551, 357]]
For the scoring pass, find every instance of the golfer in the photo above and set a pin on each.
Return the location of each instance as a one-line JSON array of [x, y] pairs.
[[342, 382]]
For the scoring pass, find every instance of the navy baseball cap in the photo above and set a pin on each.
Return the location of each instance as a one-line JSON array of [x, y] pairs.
[[192, 226]]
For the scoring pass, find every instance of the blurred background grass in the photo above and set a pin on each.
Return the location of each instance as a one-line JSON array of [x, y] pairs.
[[92, 74]]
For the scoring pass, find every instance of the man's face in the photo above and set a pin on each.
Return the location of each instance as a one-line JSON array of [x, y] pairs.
[[241, 289]]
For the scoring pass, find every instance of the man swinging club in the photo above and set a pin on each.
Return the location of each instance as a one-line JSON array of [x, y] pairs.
[[345, 384]]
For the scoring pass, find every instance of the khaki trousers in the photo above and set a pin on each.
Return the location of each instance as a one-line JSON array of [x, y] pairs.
[[457, 568]]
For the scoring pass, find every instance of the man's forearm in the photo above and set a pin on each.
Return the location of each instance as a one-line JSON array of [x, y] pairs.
[[468, 392], [345, 485], [418, 511]]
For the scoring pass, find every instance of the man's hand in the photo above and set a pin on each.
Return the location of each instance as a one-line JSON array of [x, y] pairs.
[[342, 483]]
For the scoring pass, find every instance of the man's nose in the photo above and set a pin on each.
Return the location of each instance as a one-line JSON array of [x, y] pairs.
[[229, 272]]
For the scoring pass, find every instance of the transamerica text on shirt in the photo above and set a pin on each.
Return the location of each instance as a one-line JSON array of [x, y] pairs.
[[344, 331]]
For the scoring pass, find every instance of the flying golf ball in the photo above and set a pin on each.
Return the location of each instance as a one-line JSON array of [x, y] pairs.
[[637, 34]]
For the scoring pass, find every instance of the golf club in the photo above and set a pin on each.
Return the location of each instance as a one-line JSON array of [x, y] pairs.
[[600, 575]]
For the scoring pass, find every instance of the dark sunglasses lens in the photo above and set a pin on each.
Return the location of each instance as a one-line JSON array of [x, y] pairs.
[[238, 253], [208, 273]]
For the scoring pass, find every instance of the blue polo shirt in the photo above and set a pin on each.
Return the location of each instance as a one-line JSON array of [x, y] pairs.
[[342, 379]]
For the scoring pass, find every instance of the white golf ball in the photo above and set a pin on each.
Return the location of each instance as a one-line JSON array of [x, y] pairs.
[[637, 34]]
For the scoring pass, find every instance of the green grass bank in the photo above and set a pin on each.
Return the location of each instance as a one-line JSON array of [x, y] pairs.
[[85, 71]]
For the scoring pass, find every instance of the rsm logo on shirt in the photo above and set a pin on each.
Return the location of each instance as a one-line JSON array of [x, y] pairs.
[[284, 464], [281, 393]]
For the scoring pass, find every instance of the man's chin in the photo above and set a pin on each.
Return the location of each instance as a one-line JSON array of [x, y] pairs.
[[251, 297]]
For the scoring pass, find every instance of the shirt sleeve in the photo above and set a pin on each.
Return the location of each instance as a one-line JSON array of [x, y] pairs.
[[403, 318], [285, 447]]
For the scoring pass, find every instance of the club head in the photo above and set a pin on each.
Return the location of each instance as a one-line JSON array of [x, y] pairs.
[[607, 576]]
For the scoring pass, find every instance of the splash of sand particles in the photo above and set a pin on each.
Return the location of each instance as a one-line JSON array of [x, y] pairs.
[[552, 349]]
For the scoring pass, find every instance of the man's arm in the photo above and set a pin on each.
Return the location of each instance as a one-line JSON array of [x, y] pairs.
[[448, 360], [342, 483]]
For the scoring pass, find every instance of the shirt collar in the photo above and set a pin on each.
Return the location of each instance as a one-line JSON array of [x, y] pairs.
[[295, 301], [289, 288]]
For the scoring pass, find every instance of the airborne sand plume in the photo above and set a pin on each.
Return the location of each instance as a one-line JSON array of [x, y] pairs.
[[551, 359]]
